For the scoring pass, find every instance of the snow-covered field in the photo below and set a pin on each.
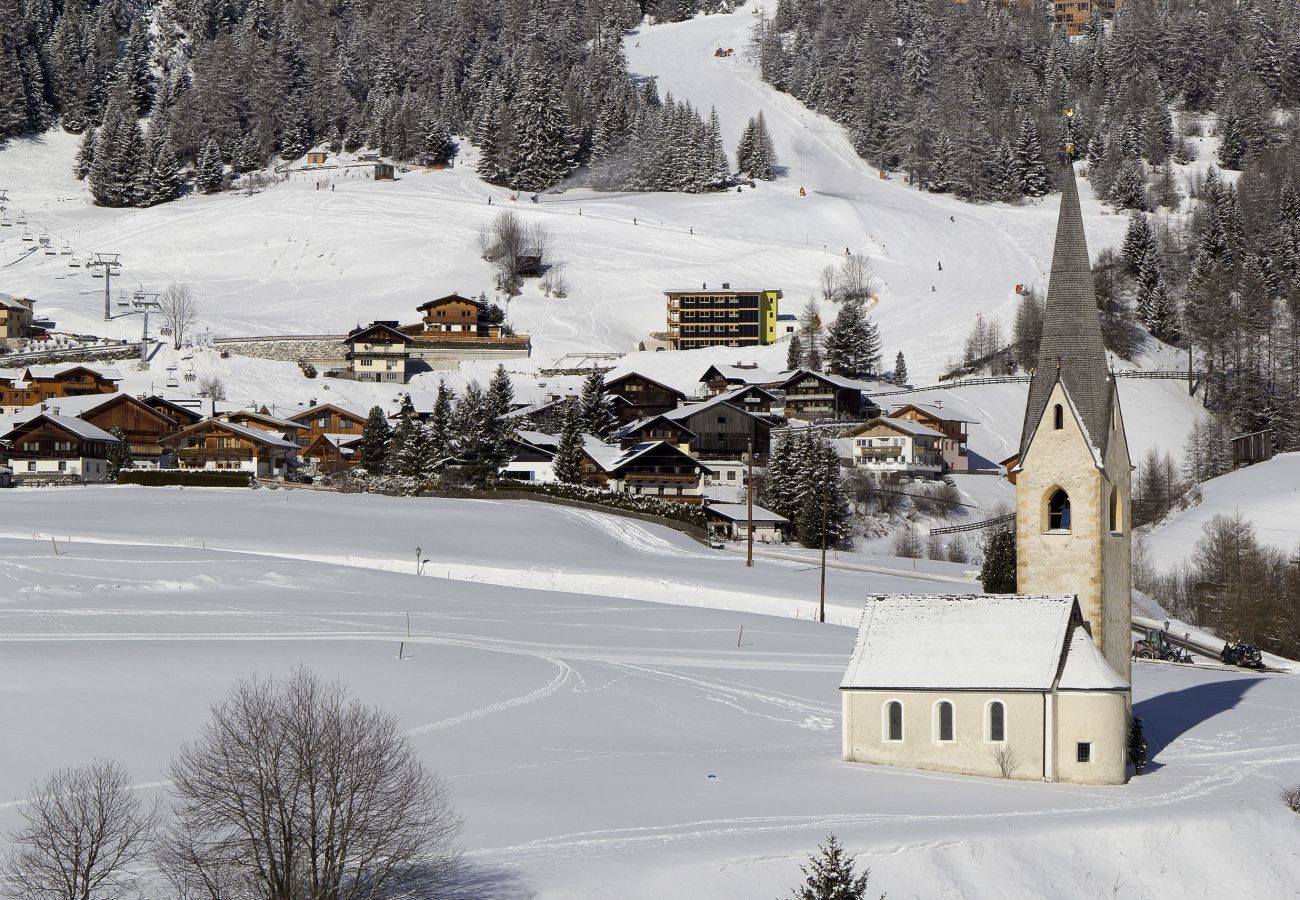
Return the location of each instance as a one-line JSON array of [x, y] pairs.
[[579, 730]]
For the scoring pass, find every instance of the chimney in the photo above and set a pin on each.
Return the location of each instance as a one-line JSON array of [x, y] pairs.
[[726, 285], [704, 286]]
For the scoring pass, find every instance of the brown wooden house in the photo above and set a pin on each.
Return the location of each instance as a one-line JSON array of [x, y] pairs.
[[638, 397], [655, 428], [55, 448], [658, 469], [262, 419], [35, 384], [951, 423], [183, 416], [453, 316], [333, 453], [326, 418], [142, 425], [724, 430], [225, 446], [814, 396]]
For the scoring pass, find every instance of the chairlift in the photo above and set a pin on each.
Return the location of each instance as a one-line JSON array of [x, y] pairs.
[[74, 263], [66, 249], [172, 382], [191, 376], [122, 301], [95, 271], [6, 222], [22, 218], [27, 236]]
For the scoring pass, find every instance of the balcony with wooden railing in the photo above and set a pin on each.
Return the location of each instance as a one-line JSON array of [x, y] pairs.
[[660, 478]]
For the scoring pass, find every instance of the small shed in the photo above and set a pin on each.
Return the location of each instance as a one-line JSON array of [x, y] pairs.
[[6, 477], [384, 171], [731, 521], [316, 157]]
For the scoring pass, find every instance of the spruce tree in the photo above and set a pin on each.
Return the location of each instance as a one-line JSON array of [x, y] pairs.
[[745, 146], [568, 452], [943, 166], [500, 392], [1031, 171], [119, 454], [165, 178], [763, 156], [846, 344], [998, 574], [831, 875], [209, 171], [900, 369], [375, 436], [248, 155], [441, 426], [1137, 745], [794, 354], [822, 496], [399, 438], [1006, 178], [1129, 189], [119, 171], [1139, 240], [595, 410], [543, 142], [85, 155]]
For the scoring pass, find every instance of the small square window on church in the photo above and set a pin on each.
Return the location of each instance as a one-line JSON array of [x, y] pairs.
[[1083, 752]]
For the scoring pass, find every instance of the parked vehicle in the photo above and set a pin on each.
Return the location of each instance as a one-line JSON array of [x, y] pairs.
[[1156, 645], [1244, 655]]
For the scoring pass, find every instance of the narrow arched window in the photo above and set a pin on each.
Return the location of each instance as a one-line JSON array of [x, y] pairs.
[[997, 721], [945, 720], [1058, 417], [1115, 525], [1058, 511], [894, 720]]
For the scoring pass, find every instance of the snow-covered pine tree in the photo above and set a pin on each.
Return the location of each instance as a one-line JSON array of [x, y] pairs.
[[830, 875], [375, 435], [165, 178], [1031, 171], [998, 573], [942, 166], [823, 500], [568, 451], [543, 141], [478, 448], [500, 392], [442, 439], [1129, 189], [846, 346], [1139, 240], [248, 155], [119, 454], [85, 155], [134, 71], [794, 354], [399, 438], [780, 487], [1154, 306], [595, 410], [763, 156], [437, 146], [900, 369], [209, 172], [119, 171], [1005, 179], [745, 146]]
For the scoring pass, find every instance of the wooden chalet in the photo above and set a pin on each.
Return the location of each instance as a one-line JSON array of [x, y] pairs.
[[453, 316], [656, 428], [897, 447], [263, 420], [378, 352], [814, 396], [658, 469], [15, 318], [183, 416], [730, 521], [532, 457], [142, 425], [53, 448], [214, 444], [36, 384], [724, 430], [333, 453], [326, 418], [637, 397], [949, 422], [719, 379]]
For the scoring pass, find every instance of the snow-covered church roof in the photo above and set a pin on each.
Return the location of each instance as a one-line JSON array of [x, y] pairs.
[[1003, 642]]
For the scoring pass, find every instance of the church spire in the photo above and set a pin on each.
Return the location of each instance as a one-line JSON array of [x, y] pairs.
[[1071, 349]]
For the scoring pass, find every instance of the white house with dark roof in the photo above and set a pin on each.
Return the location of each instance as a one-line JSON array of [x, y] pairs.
[[890, 446], [50, 447], [995, 685], [731, 520]]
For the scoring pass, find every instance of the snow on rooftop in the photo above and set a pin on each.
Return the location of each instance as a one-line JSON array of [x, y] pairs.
[[739, 512], [79, 427], [960, 642], [1086, 669]]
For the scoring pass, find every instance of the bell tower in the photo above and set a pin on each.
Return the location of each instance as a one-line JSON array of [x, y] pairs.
[[1073, 484]]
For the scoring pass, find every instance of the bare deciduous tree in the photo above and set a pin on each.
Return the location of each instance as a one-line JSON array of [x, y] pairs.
[[179, 310], [212, 387], [1006, 760], [829, 283], [508, 243], [83, 830], [855, 278], [339, 805]]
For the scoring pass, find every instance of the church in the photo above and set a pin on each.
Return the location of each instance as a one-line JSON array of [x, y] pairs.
[[1034, 685]]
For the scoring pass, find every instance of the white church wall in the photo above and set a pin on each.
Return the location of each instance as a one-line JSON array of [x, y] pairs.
[[970, 753], [1099, 719]]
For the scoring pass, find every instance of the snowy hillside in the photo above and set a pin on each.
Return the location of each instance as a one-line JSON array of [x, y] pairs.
[[1266, 494], [299, 259], [598, 745]]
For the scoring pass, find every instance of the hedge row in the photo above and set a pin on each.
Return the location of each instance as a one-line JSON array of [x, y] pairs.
[[180, 478]]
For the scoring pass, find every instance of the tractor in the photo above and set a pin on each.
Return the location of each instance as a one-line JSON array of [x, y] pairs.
[[1156, 645]]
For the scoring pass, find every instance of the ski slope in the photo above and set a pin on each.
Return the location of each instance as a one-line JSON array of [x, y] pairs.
[[599, 744]]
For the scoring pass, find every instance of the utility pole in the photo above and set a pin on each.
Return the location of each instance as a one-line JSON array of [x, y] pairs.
[[110, 263], [821, 605], [749, 478]]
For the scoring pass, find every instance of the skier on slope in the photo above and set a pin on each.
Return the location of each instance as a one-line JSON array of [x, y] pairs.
[[940, 265]]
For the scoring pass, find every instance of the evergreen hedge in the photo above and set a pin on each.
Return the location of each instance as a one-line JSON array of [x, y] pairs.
[[180, 478]]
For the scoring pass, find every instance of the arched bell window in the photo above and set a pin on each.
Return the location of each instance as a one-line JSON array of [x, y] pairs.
[[1058, 511]]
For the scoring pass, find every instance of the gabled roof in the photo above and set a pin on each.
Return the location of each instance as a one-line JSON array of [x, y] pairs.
[[1085, 668], [647, 447], [837, 380], [610, 382], [742, 374], [9, 301], [632, 428], [70, 424], [739, 512], [175, 410], [312, 411], [692, 409], [935, 411], [260, 416], [377, 328], [969, 642], [1071, 349], [450, 298], [341, 442], [903, 426], [256, 435], [54, 371], [85, 404]]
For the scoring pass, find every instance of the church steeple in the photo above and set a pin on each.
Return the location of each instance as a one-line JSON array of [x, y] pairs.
[[1071, 350]]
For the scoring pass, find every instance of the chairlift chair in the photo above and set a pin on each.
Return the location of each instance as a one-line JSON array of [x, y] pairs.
[[22, 218], [66, 249], [172, 382], [95, 271], [27, 236], [6, 222], [122, 301], [74, 263]]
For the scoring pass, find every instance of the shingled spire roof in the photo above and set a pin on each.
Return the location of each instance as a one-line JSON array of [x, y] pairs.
[[1071, 349]]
